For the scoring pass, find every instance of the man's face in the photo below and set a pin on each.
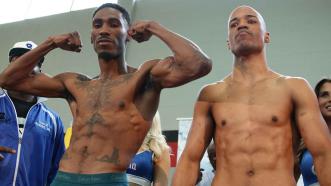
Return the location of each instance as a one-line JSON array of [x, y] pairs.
[[324, 99], [246, 31], [109, 32]]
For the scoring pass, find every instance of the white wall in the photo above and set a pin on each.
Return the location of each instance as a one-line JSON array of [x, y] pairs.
[[300, 42]]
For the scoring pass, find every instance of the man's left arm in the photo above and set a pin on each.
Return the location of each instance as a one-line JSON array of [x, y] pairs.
[[187, 63], [58, 151], [313, 128]]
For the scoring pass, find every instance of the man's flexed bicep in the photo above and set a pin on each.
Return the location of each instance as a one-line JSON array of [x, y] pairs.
[[41, 85], [312, 128], [187, 63], [20, 74], [170, 73]]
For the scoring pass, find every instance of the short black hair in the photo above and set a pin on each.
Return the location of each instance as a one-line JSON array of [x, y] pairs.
[[117, 7], [320, 84], [17, 52]]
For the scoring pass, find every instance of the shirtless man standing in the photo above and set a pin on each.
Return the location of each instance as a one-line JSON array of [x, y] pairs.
[[254, 115], [111, 113]]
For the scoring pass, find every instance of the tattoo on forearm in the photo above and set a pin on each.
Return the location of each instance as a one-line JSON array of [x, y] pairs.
[[114, 158]]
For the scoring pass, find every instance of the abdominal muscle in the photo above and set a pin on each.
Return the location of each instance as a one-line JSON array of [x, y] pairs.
[[106, 147], [258, 156]]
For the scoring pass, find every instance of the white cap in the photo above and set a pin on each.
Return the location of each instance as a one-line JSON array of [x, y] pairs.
[[22, 47]]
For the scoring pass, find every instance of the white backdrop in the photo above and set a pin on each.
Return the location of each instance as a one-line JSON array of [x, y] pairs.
[[184, 125]]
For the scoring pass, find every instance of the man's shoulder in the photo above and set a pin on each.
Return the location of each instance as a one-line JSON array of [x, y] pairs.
[[294, 82], [296, 87], [211, 91], [69, 76], [286, 80], [213, 86]]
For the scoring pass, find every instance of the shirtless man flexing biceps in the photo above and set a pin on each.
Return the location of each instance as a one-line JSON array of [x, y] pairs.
[[111, 113]]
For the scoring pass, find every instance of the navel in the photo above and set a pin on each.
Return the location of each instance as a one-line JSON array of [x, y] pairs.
[[250, 173]]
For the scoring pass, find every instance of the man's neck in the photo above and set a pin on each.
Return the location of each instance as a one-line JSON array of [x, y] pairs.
[[112, 68], [250, 68]]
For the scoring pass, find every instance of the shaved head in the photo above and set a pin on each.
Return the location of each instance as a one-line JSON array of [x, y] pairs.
[[246, 31], [250, 10]]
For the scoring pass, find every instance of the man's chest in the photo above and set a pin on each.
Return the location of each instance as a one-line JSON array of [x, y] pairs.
[[263, 104]]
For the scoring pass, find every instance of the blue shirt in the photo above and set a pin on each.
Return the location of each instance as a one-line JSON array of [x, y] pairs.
[[141, 168], [38, 149], [308, 170]]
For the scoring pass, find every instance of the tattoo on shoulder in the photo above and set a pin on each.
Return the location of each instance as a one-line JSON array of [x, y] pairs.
[[113, 158], [81, 77], [81, 80]]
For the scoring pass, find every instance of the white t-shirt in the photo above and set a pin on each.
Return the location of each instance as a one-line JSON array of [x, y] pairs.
[[207, 178]]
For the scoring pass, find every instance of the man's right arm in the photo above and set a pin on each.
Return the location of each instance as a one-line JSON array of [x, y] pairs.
[[198, 139], [17, 76]]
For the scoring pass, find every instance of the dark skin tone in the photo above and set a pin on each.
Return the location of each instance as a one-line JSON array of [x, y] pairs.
[[112, 113]]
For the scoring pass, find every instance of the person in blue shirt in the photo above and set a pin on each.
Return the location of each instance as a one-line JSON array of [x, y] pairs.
[[31, 137], [152, 162], [307, 169]]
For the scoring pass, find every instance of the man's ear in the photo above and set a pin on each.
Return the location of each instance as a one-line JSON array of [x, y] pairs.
[[91, 40], [267, 37]]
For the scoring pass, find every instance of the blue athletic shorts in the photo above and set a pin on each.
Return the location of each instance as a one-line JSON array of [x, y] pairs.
[[105, 179]]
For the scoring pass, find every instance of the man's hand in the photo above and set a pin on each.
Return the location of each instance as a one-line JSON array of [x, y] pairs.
[[139, 31], [70, 41], [6, 150]]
